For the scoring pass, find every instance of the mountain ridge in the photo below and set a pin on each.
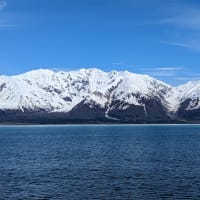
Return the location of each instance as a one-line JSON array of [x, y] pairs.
[[92, 95]]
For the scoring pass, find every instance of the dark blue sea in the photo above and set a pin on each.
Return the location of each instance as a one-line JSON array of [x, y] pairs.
[[105, 162]]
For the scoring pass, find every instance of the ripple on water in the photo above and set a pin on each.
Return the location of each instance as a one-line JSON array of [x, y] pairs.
[[100, 162]]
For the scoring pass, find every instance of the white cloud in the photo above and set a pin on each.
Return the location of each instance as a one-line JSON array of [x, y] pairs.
[[168, 68], [162, 69]]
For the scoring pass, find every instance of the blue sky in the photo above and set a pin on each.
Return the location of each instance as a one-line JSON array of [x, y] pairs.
[[155, 37]]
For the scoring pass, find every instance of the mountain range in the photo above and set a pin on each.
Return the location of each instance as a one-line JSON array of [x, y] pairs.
[[94, 96]]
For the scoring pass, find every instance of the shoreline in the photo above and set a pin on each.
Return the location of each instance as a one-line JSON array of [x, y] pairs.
[[101, 124]]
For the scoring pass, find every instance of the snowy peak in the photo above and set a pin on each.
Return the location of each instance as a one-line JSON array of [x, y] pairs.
[[49, 90], [184, 97], [115, 93]]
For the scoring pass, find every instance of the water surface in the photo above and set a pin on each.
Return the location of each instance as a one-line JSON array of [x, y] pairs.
[[100, 162]]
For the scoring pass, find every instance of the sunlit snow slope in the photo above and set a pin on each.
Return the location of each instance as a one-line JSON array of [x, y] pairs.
[[91, 94]]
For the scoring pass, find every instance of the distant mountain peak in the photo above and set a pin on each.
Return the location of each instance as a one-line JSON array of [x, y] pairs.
[[121, 95]]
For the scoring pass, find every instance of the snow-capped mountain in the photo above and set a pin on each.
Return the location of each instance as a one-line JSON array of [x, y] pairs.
[[93, 95], [187, 101]]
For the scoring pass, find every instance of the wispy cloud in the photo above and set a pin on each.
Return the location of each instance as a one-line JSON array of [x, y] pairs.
[[169, 68], [162, 71], [185, 17], [3, 4], [185, 76], [186, 79], [186, 21], [192, 43], [118, 63], [161, 74], [178, 74], [4, 24], [8, 20], [63, 68]]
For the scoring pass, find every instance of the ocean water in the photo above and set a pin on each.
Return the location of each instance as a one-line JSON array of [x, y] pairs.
[[100, 162]]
